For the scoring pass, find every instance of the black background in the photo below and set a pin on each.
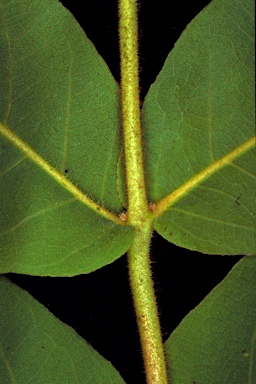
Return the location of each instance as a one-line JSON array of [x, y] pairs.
[[99, 305]]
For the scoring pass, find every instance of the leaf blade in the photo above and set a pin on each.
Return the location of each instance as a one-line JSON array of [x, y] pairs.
[[216, 341], [36, 347], [65, 97], [187, 128], [60, 108]]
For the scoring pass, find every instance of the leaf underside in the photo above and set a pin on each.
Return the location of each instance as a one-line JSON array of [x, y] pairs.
[[61, 103], [216, 342], [60, 107], [198, 112], [62, 184], [36, 347]]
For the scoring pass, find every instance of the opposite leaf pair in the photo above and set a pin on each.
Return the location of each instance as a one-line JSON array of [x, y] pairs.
[[60, 111]]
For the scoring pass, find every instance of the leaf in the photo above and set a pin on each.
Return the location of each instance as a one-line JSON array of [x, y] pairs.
[[35, 347], [216, 342], [60, 142], [198, 126]]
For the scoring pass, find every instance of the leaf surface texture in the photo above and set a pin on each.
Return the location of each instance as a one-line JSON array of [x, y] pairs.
[[199, 133], [60, 142], [36, 347], [216, 342]]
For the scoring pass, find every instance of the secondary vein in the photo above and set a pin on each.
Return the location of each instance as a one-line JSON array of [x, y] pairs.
[[56, 175], [180, 192]]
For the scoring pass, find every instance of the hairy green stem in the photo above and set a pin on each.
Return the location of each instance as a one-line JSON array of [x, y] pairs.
[[146, 308], [128, 37], [139, 214]]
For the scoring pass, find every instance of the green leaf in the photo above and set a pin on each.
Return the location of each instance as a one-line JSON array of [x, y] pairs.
[[216, 342], [60, 142], [35, 347], [198, 120]]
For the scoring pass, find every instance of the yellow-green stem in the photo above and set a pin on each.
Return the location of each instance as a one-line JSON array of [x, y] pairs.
[[139, 214], [146, 308], [128, 37]]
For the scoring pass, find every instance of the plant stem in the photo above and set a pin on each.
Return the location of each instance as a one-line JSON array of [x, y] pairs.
[[131, 108], [139, 214], [146, 308]]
